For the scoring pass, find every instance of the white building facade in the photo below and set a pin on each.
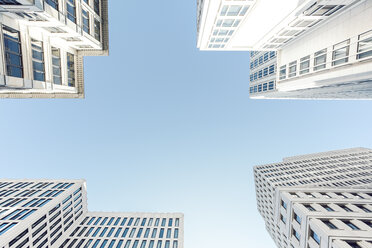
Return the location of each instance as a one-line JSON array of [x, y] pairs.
[[323, 47], [43, 43], [318, 200], [53, 213]]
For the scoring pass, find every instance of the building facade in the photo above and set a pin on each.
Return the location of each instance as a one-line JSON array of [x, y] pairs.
[[43, 43], [318, 200], [319, 54], [53, 213]]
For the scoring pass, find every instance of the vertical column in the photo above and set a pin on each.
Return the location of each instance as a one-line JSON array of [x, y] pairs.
[[26, 56]]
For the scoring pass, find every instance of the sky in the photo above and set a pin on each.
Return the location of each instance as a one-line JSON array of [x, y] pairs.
[[167, 128]]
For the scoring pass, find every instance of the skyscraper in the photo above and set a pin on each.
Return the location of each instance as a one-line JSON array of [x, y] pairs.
[[43, 43], [53, 213], [318, 200], [318, 54]]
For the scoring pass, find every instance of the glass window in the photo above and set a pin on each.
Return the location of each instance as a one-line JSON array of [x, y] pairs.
[[159, 244], [365, 45], [135, 244], [265, 71], [137, 222], [170, 222], [111, 244], [296, 234], [234, 10], [364, 208], [264, 87], [309, 207], [353, 244], [177, 222], [110, 221], [161, 233], [176, 233], [71, 10], [151, 245], [143, 245], [104, 221], [139, 232], [104, 243], [169, 231], [343, 206], [283, 219], [175, 244], [236, 23], [304, 65], [340, 53], [71, 69], [328, 208], [284, 205], [297, 218], [96, 232], [118, 232], [130, 221], [292, 69], [351, 225], [283, 72], [127, 244], [125, 233], [329, 224], [53, 3], [4, 227], [271, 69], [97, 7], [228, 23], [157, 221], [147, 232], [244, 10], [320, 59], [315, 236], [119, 244], [143, 221], [97, 30], [96, 243], [85, 17], [224, 10], [13, 52], [96, 222], [123, 222], [132, 232], [110, 232], [154, 233]]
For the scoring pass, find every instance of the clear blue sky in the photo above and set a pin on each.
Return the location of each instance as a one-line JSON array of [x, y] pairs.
[[165, 127]]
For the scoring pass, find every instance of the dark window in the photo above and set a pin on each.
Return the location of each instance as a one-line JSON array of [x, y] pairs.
[[97, 30], [71, 69], [96, 7], [85, 16], [329, 224], [351, 225], [315, 236], [13, 52], [71, 10], [38, 60], [53, 3]]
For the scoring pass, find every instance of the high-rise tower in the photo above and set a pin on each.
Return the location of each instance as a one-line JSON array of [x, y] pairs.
[[318, 200], [323, 47], [43, 42], [53, 213]]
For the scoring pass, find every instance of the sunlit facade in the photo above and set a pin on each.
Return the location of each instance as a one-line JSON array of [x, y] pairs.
[[43, 43], [318, 200], [319, 55], [53, 213]]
